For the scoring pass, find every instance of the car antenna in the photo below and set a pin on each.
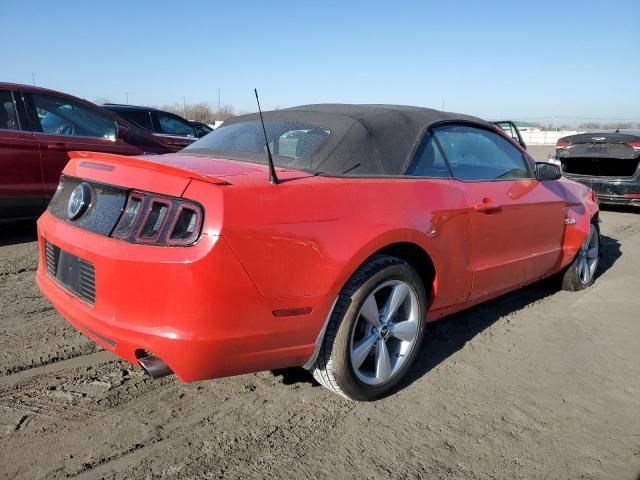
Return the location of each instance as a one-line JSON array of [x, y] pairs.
[[273, 178]]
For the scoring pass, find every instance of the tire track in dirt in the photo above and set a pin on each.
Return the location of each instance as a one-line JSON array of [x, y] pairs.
[[75, 362], [157, 417], [80, 393], [234, 439], [45, 339], [86, 393], [620, 225], [32, 334]]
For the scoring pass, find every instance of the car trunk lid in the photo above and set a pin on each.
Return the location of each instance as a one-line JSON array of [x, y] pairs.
[[114, 169], [112, 178], [600, 145]]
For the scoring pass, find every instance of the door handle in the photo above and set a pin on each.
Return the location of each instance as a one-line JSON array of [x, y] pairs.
[[57, 146], [487, 207]]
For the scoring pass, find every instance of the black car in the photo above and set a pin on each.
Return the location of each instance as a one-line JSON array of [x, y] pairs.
[[202, 128], [171, 127], [607, 161]]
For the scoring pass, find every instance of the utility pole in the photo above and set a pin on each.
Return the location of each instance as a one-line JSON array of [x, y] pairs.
[[127, 94], [33, 78], [184, 107], [219, 104]]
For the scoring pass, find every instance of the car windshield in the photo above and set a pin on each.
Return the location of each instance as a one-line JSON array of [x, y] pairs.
[[291, 142]]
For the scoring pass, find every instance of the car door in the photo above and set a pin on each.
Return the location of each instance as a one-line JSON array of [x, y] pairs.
[[21, 189], [516, 221], [445, 217], [62, 125], [511, 129]]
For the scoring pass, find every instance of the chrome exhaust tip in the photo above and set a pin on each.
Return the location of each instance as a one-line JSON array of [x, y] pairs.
[[155, 367]]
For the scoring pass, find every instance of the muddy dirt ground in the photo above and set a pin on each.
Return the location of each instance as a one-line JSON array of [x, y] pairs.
[[537, 384]]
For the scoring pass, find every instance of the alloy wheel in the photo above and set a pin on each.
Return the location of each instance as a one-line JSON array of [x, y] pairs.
[[385, 332], [589, 256]]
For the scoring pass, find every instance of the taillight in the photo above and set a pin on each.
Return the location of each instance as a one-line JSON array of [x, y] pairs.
[[634, 145], [562, 143], [186, 226], [155, 217], [129, 216], [159, 220]]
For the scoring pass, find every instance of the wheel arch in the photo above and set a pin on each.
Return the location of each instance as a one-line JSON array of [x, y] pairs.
[[410, 251], [419, 259], [407, 244], [581, 216]]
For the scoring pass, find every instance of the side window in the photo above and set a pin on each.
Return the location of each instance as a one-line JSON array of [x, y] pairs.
[[202, 130], [478, 154], [59, 116], [172, 125], [138, 117], [8, 117], [428, 161]]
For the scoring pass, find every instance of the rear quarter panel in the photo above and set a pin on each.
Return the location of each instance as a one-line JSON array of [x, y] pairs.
[[582, 206], [306, 237]]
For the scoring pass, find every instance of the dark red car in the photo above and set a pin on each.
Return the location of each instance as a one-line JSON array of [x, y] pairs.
[[38, 127]]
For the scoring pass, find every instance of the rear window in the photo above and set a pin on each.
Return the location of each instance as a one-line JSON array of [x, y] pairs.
[[288, 140]]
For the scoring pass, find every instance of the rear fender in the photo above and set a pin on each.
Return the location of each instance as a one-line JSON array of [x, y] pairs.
[[379, 243], [578, 222]]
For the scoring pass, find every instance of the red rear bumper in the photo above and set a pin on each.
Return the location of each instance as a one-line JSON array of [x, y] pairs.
[[194, 307]]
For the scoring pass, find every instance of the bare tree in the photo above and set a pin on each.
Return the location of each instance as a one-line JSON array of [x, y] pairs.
[[202, 112]]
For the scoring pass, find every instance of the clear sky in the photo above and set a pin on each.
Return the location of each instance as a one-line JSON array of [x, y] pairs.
[[490, 58]]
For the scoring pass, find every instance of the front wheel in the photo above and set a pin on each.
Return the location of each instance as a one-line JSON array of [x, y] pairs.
[[375, 330], [582, 271]]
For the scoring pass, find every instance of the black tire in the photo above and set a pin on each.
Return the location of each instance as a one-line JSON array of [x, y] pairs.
[[571, 278], [333, 368]]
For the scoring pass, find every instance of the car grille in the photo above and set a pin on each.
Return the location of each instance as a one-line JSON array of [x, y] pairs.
[[74, 273]]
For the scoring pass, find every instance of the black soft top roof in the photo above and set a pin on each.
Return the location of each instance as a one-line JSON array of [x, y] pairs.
[[364, 139]]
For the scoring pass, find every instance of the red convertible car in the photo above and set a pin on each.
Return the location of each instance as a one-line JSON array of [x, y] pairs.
[[377, 219]]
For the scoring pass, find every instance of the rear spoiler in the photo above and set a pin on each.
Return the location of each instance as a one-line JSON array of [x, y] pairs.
[[94, 159]]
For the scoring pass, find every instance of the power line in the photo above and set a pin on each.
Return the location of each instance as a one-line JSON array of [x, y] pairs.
[[564, 117]]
